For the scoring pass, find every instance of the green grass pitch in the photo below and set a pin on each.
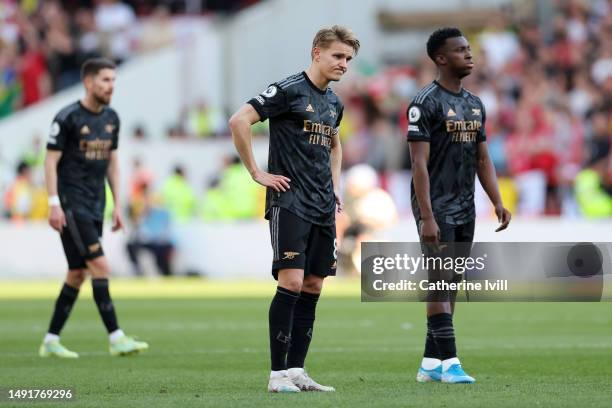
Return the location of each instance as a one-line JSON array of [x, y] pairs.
[[209, 348]]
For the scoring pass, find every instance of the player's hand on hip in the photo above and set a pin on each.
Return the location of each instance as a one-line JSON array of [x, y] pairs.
[[430, 233], [117, 220], [339, 203], [277, 182], [57, 219], [503, 216]]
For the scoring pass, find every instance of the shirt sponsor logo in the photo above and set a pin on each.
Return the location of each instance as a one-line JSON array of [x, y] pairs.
[[260, 99], [413, 128], [320, 133], [463, 130], [97, 149], [414, 114], [317, 127]]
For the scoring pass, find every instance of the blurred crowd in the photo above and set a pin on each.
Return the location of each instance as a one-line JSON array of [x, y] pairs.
[[547, 88], [42, 44], [546, 84]]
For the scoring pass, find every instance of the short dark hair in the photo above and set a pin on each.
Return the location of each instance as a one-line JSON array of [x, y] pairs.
[[94, 65], [439, 37]]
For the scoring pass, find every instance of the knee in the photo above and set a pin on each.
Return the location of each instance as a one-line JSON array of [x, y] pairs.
[[75, 278], [313, 285], [294, 285], [99, 267]]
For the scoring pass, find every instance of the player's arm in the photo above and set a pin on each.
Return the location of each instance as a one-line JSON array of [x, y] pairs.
[[240, 125], [488, 179], [419, 157], [486, 174], [57, 220], [420, 119], [336, 167], [112, 173]]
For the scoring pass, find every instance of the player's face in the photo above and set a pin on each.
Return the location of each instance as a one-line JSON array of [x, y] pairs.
[[458, 56], [102, 84], [333, 61]]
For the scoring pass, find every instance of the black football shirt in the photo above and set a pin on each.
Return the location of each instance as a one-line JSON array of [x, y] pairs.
[[453, 124], [86, 140], [303, 119]]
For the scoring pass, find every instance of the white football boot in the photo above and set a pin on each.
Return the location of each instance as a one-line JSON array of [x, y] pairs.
[[280, 382], [300, 378]]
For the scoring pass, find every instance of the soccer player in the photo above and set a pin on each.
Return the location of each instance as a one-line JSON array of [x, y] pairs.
[[447, 141], [81, 154], [302, 196]]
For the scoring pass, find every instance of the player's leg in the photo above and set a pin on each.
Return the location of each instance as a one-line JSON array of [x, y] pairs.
[[452, 370], [440, 346], [89, 232], [436, 347], [438, 308], [464, 237], [63, 306], [120, 344], [67, 297], [321, 260], [280, 320], [303, 320], [288, 236]]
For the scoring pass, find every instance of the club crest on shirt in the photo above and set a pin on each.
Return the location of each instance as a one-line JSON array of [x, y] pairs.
[[109, 128], [85, 130]]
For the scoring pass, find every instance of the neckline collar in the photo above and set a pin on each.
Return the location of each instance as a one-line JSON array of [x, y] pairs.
[[447, 90], [89, 110], [312, 85]]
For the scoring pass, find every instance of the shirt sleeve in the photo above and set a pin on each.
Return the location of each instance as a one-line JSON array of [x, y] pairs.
[[58, 134], [270, 103], [419, 123], [339, 119], [482, 135], [115, 144]]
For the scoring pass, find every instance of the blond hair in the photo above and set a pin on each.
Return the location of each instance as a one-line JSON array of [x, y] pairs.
[[328, 35]]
